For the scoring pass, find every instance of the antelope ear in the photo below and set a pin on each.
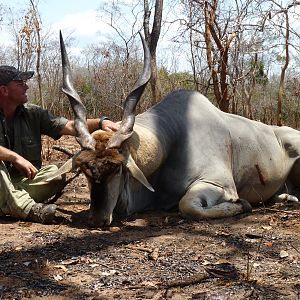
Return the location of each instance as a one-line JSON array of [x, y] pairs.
[[137, 173], [67, 167], [117, 139]]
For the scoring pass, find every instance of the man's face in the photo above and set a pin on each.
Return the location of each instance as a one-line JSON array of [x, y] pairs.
[[16, 90]]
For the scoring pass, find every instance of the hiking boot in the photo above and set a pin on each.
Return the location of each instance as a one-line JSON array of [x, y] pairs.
[[42, 213]]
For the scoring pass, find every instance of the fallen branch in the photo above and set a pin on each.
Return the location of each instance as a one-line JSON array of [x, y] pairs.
[[294, 248], [139, 248], [176, 283], [278, 210], [223, 270]]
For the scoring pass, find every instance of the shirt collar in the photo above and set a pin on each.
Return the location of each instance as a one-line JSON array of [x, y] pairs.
[[20, 109]]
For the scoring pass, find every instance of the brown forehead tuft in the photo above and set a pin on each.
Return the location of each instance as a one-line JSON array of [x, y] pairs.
[[100, 153], [102, 136]]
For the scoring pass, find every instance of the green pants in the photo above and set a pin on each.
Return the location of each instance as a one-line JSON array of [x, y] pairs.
[[19, 194]]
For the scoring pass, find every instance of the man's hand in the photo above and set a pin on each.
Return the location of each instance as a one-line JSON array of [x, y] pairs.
[[19, 162], [93, 125], [25, 166], [109, 125]]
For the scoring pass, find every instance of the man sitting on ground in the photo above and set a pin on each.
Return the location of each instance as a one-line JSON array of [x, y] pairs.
[[21, 128]]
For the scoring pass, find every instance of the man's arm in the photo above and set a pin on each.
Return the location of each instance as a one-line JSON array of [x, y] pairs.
[[93, 125], [19, 162]]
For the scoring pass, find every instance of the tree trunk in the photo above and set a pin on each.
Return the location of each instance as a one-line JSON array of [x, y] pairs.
[[152, 40], [283, 70]]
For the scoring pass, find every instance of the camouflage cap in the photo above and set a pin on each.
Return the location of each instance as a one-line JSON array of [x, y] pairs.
[[9, 73]]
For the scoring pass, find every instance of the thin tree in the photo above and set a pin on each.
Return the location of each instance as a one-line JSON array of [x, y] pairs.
[[152, 40], [36, 24], [213, 34]]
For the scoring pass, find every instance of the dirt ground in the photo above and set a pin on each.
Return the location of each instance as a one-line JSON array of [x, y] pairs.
[[155, 255]]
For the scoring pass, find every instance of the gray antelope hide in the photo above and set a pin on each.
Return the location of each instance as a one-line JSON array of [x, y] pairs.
[[183, 152]]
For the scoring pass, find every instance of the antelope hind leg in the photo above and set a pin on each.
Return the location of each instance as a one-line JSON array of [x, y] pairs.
[[207, 201]]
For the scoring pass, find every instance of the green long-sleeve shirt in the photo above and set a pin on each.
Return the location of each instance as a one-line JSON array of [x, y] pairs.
[[23, 134]]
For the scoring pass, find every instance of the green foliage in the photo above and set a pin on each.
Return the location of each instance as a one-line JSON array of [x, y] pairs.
[[86, 88], [260, 75], [184, 79], [280, 58], [178, 80]]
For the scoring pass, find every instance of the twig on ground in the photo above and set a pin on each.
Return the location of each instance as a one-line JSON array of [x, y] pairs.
[[139, 248], [223, 270], [64, 150], [278, 210], [198, 278], [294, 247]]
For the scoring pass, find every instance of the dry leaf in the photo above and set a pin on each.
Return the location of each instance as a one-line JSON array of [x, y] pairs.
[[283, 254], [196, 257], [24, 224], [86, 260], [223, 270], [223, 233], [221, 261], [268, 244], [154, 254], [62, 267], [267, 227], [150, 284], [70, 262], [273, 221], [110, 273], [57, 277]]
